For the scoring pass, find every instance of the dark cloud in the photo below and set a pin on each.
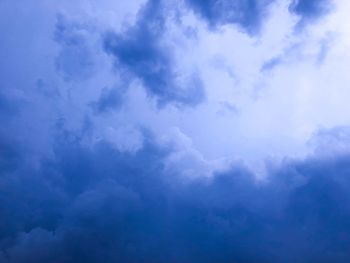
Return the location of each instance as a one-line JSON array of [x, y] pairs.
[[110, 99], [248, 14], [310, 10], [69, 201], [139, 51], [99, 204]]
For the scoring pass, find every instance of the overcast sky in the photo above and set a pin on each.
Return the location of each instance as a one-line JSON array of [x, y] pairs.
[[174, 131]]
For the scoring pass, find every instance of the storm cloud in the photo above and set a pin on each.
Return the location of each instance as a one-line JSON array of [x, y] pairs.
[[88, 205], [117, 143]]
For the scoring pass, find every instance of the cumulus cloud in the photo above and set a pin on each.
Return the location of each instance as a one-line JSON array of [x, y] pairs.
[[140, 51]]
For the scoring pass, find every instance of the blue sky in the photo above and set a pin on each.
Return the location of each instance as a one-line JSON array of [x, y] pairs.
[[174, 131]]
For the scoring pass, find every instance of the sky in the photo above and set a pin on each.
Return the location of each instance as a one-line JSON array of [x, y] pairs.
[[174, 131]]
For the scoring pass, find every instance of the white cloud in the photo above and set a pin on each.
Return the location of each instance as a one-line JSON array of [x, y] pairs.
[[275, 111]]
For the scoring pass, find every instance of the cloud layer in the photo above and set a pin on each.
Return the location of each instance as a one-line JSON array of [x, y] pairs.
[[174, 131], [88, 205]]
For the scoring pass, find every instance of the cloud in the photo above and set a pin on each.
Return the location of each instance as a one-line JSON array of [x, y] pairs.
[[93, 204], [249, 15], [271, 64], [90, 174], [309, 10], [141, 52], [110, 99], [332, 141], [75, 60]]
